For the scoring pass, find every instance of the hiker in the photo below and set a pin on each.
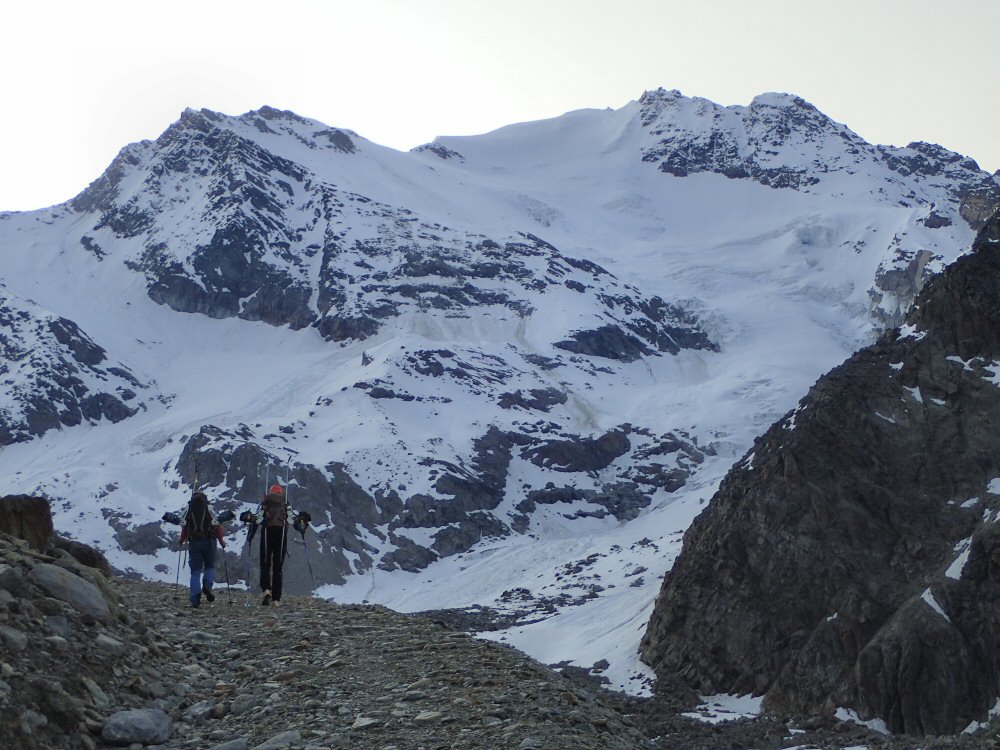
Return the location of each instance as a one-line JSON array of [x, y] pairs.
[[272, 543], [201, 531]]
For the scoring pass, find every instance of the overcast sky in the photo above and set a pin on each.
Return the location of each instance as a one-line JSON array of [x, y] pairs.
[[83, 79]]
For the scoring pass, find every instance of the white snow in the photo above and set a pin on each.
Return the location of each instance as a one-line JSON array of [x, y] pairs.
[[846, 714], [718, 708], [973, 726], [928, 598], [958, 564]]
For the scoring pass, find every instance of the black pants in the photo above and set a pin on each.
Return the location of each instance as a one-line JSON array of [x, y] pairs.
[[272, 555]]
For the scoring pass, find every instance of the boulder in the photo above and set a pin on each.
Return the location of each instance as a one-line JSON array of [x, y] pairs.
[[81, 594], [146, 726], [27, 518], [82, 553]]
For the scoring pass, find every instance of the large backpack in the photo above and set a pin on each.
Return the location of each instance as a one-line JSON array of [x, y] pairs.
[[198, 520], [275, 510]]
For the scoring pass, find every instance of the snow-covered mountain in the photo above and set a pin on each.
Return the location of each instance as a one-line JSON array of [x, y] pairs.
[[501, 371]]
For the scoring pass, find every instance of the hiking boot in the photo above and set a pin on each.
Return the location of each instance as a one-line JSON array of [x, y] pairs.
[[276, 603], [267, 598], [208, 593], [195, 601]]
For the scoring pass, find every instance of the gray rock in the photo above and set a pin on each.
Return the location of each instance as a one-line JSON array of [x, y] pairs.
[[146, 726], [99, 697], [243, 703], [280, 741], [108, 644], [82, 595], [427, 717], [13, 639], [237, 744], [58, 625], [198, 712], [32, 720], [365, 722], [10, 578]]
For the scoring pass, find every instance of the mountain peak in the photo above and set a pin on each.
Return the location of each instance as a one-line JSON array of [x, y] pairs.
[[780, 100], [660, 95]]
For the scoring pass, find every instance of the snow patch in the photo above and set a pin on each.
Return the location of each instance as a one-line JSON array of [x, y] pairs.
[[928, 598], [848, 714], [715, 709]]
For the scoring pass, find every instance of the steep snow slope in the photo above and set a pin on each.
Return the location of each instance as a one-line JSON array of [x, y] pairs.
[[504, 370]]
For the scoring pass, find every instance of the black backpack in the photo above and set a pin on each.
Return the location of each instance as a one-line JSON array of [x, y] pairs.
[[198, 520]]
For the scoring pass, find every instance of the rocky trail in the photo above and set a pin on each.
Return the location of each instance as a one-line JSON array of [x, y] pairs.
[[94, 661]]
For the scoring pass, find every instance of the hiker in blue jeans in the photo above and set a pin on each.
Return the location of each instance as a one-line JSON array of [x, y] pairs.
[[201, 532]]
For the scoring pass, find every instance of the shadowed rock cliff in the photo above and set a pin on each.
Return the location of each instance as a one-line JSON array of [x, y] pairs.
[[852, 558]]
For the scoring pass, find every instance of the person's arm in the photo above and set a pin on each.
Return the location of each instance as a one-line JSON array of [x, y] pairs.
[[184, 533], [220, 536]]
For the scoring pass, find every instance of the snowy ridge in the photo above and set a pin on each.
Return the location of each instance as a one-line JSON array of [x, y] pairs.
[[55, 376], [500, 371]]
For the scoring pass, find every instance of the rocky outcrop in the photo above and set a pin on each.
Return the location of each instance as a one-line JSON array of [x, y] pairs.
[[56, 376], [848, 560], [354, 529], [27, 518]]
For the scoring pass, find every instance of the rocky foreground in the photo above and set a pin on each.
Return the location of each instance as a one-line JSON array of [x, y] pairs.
[[90, 660]]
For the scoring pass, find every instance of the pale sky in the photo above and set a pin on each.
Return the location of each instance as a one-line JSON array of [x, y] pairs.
[[80, 80]]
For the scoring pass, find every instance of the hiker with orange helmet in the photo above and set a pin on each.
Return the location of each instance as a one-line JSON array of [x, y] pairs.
[[272, 543]]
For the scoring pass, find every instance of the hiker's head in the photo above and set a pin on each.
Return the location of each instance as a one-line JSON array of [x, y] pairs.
[[198, 498], [276, 489]]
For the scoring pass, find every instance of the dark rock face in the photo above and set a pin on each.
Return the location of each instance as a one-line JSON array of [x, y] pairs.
[[439, 151], [783, 141], [354, 529], [978, 194], [580, 455], [742, 144], [622, 500], [55, 375], [537, 399], [608, 341], [27, 518], [848, 560]]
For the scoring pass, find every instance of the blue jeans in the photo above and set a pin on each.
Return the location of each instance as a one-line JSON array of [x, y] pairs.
[[201, 555]]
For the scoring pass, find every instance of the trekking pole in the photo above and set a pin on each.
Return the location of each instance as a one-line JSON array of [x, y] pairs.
[[177, 595], [246, 569], [288, 507], [301, 523], [229, 588], [312, 578], [177, 578]]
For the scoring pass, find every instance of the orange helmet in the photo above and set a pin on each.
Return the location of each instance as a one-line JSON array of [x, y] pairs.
[[276, 489]]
